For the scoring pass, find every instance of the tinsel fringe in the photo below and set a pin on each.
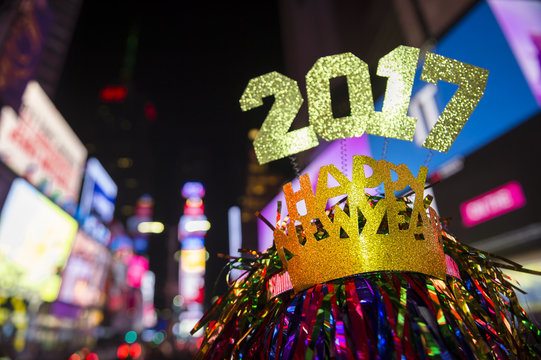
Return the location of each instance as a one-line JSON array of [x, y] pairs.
[[374, 316]]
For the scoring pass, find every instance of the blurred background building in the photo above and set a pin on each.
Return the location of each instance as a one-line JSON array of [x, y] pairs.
[[108, 109]]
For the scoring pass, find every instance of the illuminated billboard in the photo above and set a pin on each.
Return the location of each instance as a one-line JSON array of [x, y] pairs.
[[83, 278], [192, 228], [35, 241], [137, 267], [39, 145], [98, 194], [492, 203]]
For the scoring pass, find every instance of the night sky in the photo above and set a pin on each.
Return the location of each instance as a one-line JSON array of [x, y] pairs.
[[192, 62]]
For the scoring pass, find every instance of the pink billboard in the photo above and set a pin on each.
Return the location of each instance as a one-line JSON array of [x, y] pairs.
[[492, 204], [521, 24]]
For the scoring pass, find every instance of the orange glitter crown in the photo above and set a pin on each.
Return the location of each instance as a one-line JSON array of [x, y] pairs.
[[367, 234]]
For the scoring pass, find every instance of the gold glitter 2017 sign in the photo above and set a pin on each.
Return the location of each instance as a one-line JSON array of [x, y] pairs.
[[275, 141]]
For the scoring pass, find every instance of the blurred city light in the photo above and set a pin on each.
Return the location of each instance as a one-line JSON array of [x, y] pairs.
[[177, 300], [150, 227], [130, 337], [197, 225], [113, 93], [135, 351], [158, 338], [252, 134], [124, 162], [147, 335], [150, 112], [123, 351], [193, 189]]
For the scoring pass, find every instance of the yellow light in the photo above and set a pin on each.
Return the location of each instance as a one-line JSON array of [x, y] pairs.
[[153, 227], [197, 203], [197, 225], [124, 162], [193, 261], [252, 134]]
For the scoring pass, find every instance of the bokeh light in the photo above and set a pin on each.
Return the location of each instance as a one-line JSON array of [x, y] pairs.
[[130, 337], [123, 351], [158, 338], [92, 356], [135, 350]]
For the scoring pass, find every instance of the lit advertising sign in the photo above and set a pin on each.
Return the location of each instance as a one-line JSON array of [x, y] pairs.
[[137, 267], [492, 204], [507, 102], [192, 289], [85, 273], [192, 228], [338, 149], [193, 260], [98, 194], [147, 291], [35, 241], [39, 145]]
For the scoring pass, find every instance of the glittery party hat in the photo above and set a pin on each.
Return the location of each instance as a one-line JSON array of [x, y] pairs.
[[368, 234]]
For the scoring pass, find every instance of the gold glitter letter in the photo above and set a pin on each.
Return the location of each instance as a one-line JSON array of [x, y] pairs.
[[273, 141], [399, 66], [319, 96], [471, 80]]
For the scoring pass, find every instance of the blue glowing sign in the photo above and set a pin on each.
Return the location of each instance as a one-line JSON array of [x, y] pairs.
[[507, 102]]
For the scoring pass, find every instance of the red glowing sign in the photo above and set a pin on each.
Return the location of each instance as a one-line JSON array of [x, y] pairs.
[[114, 93], [492, 204]]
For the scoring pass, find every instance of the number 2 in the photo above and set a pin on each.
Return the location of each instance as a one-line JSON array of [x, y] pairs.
[[273, 141]]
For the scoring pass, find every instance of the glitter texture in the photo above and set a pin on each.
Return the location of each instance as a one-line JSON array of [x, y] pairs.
[[472, 81], [399, 66], [319, 96], [396, 236], [273, 141]]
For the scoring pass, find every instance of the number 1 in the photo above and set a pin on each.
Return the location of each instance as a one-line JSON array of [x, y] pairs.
[[399, 66]]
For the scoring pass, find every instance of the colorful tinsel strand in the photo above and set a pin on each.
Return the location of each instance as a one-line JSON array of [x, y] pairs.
[[385, 315]]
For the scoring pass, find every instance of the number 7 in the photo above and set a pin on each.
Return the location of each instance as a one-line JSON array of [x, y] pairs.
[[471, 80]]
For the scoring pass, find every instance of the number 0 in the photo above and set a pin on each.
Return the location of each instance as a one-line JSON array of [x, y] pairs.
[[319, 96]]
